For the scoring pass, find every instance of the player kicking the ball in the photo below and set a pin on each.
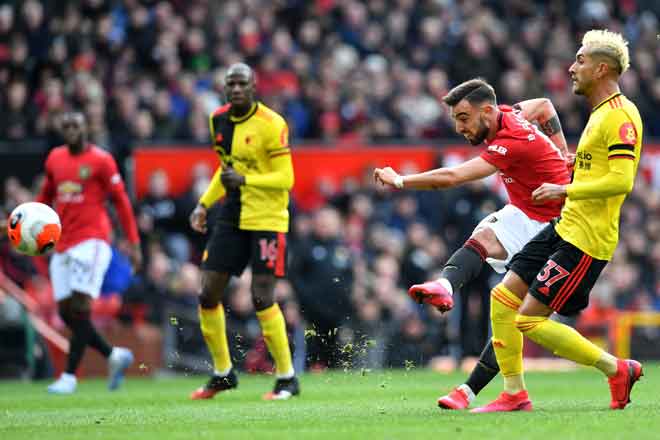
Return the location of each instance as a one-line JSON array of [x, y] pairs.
[[79, 178], [525, 157], [557, 269]]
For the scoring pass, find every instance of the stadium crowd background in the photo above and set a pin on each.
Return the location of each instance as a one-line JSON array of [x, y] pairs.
[[339, 71]]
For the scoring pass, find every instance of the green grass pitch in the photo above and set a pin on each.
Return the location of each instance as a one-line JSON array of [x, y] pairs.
[[339, 405]]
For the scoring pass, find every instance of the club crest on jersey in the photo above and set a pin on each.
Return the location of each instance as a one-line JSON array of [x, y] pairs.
[[627, 133], [497, 149], [84, 172]]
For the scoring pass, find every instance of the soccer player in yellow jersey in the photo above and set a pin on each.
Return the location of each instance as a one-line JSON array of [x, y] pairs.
[[560, 265], [255, 178]]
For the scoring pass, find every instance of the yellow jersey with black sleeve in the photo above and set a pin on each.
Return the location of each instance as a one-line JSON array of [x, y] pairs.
[[606, 162], [257, 146]]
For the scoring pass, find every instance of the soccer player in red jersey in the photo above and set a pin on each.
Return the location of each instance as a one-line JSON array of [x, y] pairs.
[[557, 269], [524, 157], [79, 178]]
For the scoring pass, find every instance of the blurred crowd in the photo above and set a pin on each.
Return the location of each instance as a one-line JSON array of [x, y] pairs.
[[339, 70]]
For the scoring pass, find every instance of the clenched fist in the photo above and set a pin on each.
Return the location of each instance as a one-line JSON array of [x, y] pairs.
[[386, 176]]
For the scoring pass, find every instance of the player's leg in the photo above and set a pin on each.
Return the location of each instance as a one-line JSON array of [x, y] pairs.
[[88, 262], [58, 270], [269, 262], [564, 286], [227, 253], [504, 233], [213, 327], [78, 339], [495, 239], [483, 244], [77, 276], [508, 344], [482, 374], [506, 298], [462, 267]]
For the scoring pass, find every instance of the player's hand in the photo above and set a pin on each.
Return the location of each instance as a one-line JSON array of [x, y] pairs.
[[135, 255], [230, 178], [570, 160], [385, 176], [198, 219], [548, 191]]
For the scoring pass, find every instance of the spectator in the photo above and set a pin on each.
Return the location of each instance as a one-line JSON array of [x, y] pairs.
[[321, 273]]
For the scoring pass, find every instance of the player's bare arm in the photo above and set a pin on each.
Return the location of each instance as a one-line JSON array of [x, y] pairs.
[[439, 178], [549, 191], [542, 111]]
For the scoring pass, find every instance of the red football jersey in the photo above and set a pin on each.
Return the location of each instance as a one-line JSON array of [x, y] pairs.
[[526, 158], [77, 186]]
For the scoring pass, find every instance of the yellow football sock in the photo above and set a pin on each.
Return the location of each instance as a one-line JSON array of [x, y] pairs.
[[212, 323], [561, 339], [273, 328], [507, 339]]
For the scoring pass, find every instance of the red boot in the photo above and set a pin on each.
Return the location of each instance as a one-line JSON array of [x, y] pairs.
[[507, 402], [433, 293], [628, 372]]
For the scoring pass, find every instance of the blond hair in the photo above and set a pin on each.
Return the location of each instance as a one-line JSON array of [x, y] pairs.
[[608, 44]]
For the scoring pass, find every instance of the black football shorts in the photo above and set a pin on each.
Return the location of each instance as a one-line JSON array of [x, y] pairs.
[[230, 250], [558, 274]]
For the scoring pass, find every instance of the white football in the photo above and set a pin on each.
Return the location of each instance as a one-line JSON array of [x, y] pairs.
[[34, 228]]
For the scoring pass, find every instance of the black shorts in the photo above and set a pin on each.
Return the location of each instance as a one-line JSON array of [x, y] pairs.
[[558, 274], [230, 250]]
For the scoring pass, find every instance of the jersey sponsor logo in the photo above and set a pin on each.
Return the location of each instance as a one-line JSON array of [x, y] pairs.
[[627, 133], [70, 192], [84, 172], [115, 179], [69, 187], [499, 149], [583, 160]]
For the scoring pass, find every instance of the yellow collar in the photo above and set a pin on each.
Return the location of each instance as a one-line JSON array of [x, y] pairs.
[[246, 116], [612, 96]]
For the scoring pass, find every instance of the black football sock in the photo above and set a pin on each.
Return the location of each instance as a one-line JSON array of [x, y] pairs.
[[98, 342], [465, 264], [485, 370], [81, 331]]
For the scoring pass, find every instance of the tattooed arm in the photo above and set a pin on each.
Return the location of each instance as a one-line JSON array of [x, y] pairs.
[[542, 111]]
